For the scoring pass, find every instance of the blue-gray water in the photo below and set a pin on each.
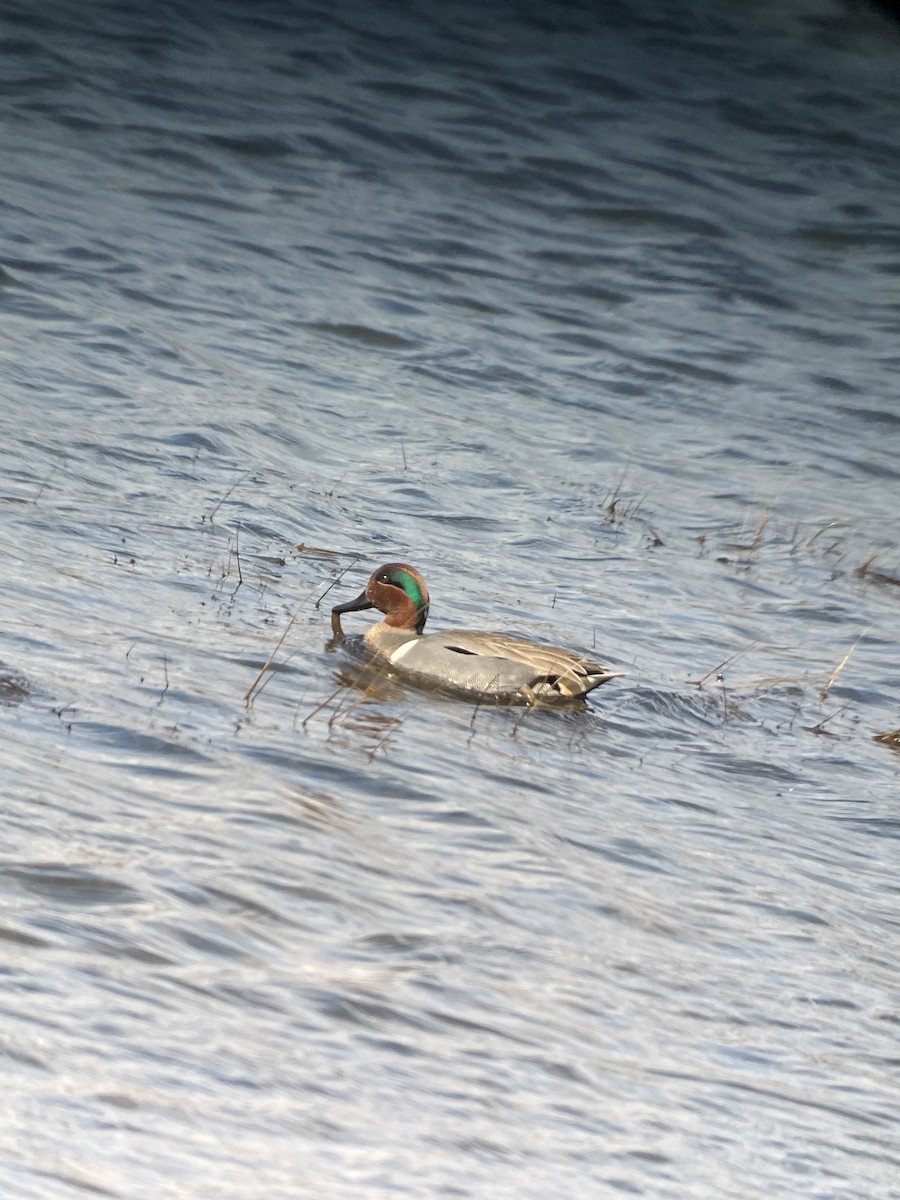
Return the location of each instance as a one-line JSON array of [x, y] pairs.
[[591, 313]]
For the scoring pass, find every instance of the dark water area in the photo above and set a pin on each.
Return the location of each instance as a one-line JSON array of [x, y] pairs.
[[590, 312]]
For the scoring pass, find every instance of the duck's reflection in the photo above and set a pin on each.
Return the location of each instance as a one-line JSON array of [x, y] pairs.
[[348, 707], [372, 680]]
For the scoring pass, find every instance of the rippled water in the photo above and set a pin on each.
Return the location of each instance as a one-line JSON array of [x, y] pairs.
[[591, 315]]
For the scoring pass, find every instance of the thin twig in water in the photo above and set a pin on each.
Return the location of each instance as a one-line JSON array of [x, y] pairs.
[[237, 553], [760, 529], [611, 499], [724, 663], [248, 695], [823, 695], [41, 489], [475, 710], [381, 741], [166, 677], [265, 683], [720, 678], [520, 719], [528, 707], [337, 580], [319, 707], [818, 728], [255, 686], [339, 711], [819, 532], [236, 483], [297, 707], [478, 702]]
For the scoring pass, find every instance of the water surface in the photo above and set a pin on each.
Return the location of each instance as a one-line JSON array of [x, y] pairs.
[[592, 317]]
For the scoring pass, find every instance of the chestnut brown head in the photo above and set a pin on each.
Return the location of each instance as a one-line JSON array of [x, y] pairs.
[[398, 591]]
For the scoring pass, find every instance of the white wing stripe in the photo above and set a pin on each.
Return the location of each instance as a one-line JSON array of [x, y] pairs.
[[401, 650]]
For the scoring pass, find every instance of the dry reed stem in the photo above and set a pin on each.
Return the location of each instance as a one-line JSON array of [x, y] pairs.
[[478, 702], [343, 709], [319, 707], [525, 711], [162, 694], [381, 742], [821, 725], [237, 553], [237, 483], [337, 579], [760, 529], [724, 663], [823, 695], [344, 688], [822, 529], [255, 685]]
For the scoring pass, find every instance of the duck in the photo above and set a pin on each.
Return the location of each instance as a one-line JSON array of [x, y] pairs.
[[482, 666]]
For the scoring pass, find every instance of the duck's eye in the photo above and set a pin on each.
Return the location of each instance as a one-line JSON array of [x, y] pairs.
[[385, 578]]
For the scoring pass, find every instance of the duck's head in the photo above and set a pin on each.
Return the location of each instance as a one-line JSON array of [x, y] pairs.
[[395, 589]]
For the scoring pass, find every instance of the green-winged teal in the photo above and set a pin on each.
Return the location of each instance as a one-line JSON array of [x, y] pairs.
[[481, 665]]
